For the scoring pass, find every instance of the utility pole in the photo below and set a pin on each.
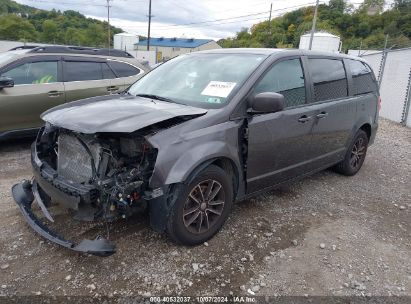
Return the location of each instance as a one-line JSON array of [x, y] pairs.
[[108, 22], [314, 24], [386, 42], [149, 25], [269, 19], [359, 52], [269, 27]]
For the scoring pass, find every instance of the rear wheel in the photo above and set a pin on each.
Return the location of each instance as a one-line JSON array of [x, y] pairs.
[[355, 155], [202, 208]]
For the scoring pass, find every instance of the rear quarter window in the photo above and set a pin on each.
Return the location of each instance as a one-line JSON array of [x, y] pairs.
[[123, 69], [329, 79], [362, 77]]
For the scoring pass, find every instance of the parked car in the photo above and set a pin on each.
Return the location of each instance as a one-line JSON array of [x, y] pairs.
[[34, 79], [196, 134]]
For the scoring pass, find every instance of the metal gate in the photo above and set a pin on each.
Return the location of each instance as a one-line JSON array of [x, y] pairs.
[[393, 70]]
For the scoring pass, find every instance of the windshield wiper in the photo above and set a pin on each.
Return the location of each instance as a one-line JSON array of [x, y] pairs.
[[152, 96]]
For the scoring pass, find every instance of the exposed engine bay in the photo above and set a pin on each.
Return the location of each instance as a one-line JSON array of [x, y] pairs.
[[115, 168], [96, 176]]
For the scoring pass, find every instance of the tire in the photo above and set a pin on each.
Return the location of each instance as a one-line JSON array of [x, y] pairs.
[[192, 230], [355, 155]]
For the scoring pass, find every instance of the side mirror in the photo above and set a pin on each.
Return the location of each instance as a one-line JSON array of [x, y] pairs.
[[267, 102], [6, 82]]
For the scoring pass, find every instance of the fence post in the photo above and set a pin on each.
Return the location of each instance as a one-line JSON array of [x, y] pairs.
[[382, 67], [407, 102]]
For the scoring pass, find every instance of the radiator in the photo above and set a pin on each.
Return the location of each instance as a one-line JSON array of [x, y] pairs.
[[73, 160]]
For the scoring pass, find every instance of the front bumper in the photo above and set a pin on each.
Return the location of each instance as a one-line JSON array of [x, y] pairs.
[[70, 195], [24, 193]]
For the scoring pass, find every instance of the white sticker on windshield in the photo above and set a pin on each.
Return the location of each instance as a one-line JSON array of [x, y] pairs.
[[218, 88]]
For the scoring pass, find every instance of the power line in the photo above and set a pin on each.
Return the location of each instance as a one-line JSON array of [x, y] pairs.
[[203, 23], [217, 20], [237, 17], [206, 25], [65, 3]]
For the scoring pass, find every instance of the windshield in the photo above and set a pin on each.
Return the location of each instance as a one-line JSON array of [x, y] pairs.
[[7, 56], [200, 80], [4, 57]]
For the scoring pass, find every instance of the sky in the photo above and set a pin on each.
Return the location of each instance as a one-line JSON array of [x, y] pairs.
[[178, 18]]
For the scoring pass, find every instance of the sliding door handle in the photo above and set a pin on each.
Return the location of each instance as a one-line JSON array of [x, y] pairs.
[[304, 118], [55, 93], [322, 115], [112, 89]]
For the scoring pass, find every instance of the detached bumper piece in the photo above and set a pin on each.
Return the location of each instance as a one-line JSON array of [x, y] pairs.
[[24, 194]]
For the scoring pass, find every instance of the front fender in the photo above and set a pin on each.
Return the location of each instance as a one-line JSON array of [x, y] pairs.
[[198, 155], [177, 158]]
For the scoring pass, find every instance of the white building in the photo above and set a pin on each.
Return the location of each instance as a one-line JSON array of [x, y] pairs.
[[322, 41], [167, 48], [125, 41]]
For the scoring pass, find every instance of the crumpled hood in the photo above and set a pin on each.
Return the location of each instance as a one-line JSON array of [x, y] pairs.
[[115, 114]]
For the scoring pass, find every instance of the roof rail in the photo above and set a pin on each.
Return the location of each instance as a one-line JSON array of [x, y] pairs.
[[81, 50], [24, 47]]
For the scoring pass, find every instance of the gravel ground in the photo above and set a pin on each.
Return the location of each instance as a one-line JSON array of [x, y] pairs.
[[325, 235]]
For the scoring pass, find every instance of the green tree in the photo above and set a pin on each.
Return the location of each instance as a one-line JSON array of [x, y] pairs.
[[337, 6], [402, 4], [13, 27], [50, 31]]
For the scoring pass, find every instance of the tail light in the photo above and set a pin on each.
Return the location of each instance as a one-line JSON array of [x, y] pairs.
[[379, 103]]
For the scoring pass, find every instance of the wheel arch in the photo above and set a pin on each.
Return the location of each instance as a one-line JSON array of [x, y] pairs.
[[364, 124], [225, 163], [366, 127]]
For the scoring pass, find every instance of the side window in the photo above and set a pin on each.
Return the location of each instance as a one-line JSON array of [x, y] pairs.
[[329, 78], [33, 73], [82, 71], [124, 69], [286, 78], [362, 78], [107, 72]]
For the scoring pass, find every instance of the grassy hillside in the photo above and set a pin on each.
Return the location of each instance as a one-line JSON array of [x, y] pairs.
[[25, 23], [365, 26]]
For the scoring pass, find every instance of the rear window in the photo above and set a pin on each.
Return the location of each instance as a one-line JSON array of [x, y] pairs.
[[329, 78], [362, 78], [124, 69], [83, 71]]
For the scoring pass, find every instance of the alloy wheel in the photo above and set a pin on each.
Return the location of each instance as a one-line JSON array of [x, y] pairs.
[[357, 153], [204, 206]]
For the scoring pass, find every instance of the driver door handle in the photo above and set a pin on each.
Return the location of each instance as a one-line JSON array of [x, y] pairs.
[[304, 118]]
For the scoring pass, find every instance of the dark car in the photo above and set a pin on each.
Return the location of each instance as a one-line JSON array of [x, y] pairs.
[[198, 133]]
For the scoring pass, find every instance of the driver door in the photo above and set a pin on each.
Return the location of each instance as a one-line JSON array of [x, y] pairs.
[[279, 143], [37, 88]]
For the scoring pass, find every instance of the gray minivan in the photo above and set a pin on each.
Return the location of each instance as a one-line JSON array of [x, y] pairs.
[[196, 134]]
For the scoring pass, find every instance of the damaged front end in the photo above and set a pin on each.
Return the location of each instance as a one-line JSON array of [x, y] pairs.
[[102, 176]]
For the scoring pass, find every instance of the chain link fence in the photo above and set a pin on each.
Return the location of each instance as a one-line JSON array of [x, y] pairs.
[[393, 70]]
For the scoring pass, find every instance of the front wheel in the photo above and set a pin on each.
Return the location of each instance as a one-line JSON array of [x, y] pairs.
[[355, 155], [202, 208]]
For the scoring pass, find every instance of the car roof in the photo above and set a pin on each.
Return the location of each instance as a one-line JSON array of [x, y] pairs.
[[25, 53], [259, 51], [277, 52]]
